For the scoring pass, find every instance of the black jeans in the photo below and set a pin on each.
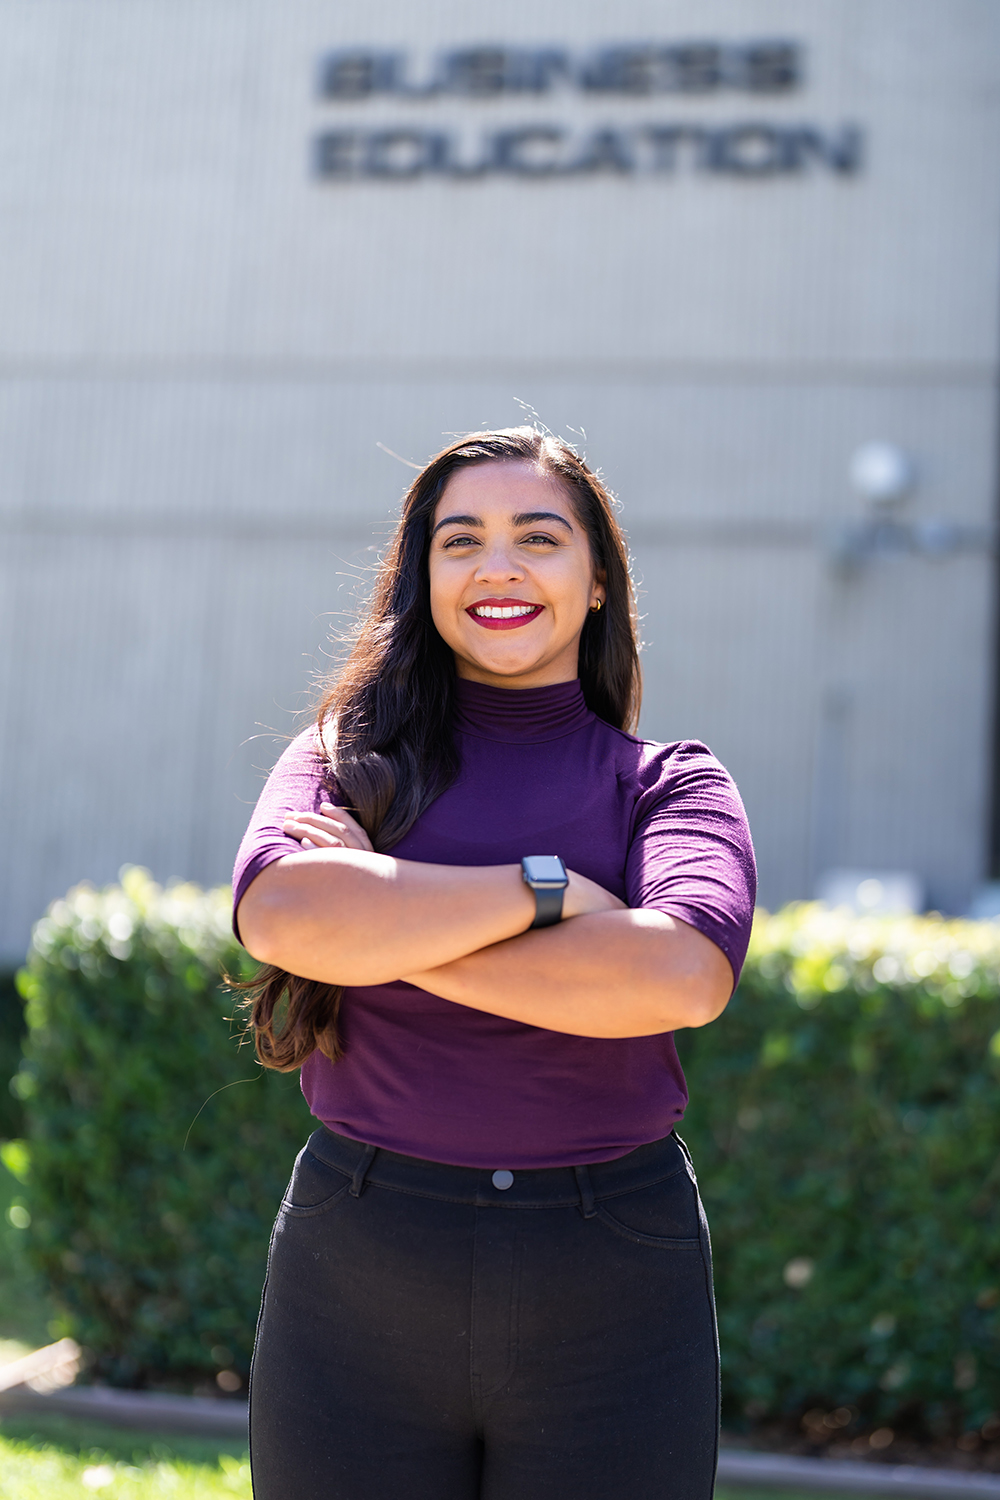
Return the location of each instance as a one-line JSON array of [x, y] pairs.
[[427, 1335]]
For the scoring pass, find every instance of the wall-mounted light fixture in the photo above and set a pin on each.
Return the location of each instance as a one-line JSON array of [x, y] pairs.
[[884, 474]]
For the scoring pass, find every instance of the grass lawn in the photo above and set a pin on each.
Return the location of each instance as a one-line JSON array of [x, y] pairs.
[[47, 1458], [53, 1458]]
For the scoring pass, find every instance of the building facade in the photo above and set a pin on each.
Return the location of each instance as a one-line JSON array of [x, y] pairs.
[[253, 245]]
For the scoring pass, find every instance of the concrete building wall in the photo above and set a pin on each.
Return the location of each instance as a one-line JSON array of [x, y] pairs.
[[202, 342]]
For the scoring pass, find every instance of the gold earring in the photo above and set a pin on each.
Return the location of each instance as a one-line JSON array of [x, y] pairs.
[[595, 609]]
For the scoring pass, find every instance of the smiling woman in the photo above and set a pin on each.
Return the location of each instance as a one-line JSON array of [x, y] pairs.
[[483, 907], [508, 527]]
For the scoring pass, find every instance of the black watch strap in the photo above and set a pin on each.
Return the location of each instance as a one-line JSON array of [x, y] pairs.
[[548, 906]]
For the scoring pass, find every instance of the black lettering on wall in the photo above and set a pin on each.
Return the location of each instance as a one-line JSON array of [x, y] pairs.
[[841, 152], [654, 70], [402, 153], [335, 152], [537, 72], [530, 152], [632, 70], [749, 149], [665, 140], [765, 67], [347, 76], [607, 150]]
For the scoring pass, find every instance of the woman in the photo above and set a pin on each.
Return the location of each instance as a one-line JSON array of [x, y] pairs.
[[490, 1275]]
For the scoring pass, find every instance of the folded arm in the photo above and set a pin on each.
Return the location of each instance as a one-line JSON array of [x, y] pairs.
[[339, 913], [606, 974]]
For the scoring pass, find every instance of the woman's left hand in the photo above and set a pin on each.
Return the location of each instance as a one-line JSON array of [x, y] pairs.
[[330, 828]]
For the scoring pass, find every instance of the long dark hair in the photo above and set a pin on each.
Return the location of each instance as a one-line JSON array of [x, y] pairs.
[[385, 720]]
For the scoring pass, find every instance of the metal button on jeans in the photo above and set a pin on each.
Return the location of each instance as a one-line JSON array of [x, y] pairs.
[[503, 1179]]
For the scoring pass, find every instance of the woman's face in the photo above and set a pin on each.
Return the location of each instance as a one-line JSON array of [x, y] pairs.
[[511, 575]]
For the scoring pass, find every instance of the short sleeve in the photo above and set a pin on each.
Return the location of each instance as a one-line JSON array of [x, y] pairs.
[[691, 855], [298, 783]]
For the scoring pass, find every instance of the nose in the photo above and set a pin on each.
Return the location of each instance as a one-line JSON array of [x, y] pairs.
[[497, 562]]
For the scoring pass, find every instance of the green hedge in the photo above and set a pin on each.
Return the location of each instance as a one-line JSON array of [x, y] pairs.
[[158, 1148], [11, 1038], [844, 1122], [846, 1129]]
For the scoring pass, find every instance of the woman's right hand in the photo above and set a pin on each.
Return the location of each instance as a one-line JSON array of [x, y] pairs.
[[583, 896], [329, 828]]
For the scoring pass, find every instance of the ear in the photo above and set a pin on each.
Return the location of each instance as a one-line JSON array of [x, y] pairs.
[[599, 591]]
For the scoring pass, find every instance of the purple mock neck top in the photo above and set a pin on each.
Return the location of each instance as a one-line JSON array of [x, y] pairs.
[[528, 715], [662, 826]]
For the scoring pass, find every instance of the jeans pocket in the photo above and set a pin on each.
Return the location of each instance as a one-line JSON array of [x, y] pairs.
[[665, 1214], [314, 1187]]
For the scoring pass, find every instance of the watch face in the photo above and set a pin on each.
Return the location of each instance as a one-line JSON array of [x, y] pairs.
[[544, 869]]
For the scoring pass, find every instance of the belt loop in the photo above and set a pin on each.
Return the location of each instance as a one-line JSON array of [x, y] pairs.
[[586, 1192], [361, 1171]]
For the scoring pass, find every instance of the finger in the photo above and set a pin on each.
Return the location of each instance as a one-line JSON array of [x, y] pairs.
[[353, 834], [331, 810], [364, 842], [343, 827], [349, 840], [344, 831], [318, 820], [319, 838], [313, 823], [307, 843]]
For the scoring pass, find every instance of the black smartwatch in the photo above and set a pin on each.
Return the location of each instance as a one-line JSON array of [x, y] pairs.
[[546, 874]]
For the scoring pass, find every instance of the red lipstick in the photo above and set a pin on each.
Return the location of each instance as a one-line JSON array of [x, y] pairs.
[[516, 612]]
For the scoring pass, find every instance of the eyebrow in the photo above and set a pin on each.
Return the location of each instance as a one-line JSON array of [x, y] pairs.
[[523, 518]]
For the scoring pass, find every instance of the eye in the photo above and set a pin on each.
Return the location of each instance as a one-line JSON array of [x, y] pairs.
[[539, 539], [454, 542]]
